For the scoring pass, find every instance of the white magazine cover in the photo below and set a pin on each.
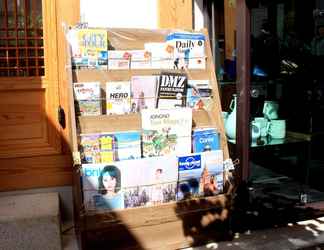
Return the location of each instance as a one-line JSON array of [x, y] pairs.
[[189, 50], [140, 59], [150, 181], [86, 90], [200, 174], [88, 98], [118, 97], [143, 89], [161, 55], [166, 131], [118, 59]]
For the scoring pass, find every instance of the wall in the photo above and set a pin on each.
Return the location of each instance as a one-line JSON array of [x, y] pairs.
[[114, 13], [121, 13], [198, 15]]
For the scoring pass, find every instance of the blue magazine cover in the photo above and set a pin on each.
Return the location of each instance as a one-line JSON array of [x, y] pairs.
[[206, 139], [200, 174], [127, 145]]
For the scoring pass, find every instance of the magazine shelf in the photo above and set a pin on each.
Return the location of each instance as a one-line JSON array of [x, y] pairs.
[[112, 123], [171, 225]]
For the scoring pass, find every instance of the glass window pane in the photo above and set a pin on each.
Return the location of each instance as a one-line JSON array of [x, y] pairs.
[[32, 72], [20, 25], [12, 43], [22, 62], [3, 33], [31, 52], [40, 62], [31, 62], [3, 62], [11, 14], [3, 53], [22, 53], [21, 14], [12, 63], [21, 33], [12, 53], [3, 19]]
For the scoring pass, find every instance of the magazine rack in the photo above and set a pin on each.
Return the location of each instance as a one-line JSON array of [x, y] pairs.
[[168, 226]]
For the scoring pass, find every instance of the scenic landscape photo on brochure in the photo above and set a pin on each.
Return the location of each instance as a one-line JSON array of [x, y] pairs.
[[166, 131]]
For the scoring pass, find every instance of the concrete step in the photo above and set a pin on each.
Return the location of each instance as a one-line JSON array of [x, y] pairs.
[[30, 222]]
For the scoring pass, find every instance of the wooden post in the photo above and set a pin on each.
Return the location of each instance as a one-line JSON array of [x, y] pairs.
[[175, 14], [243, 87], [230, 26]]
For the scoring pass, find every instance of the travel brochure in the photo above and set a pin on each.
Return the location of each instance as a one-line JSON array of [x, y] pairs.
[[118, 96], [151, 181], [166, 131], [171, 90], [143, 90], [89, 47], [87, 96], [200, 174], [109, 147], [205, 139]]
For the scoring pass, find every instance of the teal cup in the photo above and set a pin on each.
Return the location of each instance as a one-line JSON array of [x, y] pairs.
[[270, 110], [263, 124], [277, 129]]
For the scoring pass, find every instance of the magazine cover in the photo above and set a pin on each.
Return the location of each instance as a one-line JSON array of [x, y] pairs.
[[127, 145], [118, 97], [171, 90], [88, 47], [106, 148], [86, 90], [150, 181], [189, 50], [130, 183], [202, 87], [90, 148], [118, 59], [87, 96], [143, 89], [88, 107], [161, 55], [199, 94], [166, 131], [140, 59], [205, 139], [200, 174], [102, 186]]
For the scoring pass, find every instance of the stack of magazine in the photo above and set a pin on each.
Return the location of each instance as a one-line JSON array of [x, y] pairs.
[[166, 159], [179, 50], [165, 90]]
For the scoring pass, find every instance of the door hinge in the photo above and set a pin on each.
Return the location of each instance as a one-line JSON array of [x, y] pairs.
[[61, 117]]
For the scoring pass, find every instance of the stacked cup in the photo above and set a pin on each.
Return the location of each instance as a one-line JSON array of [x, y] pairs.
[[275, 128], [269, 124]]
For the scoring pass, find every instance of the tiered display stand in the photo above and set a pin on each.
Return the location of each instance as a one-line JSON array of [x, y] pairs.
[[168, 226]]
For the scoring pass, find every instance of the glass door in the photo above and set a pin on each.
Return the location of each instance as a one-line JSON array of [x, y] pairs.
[[287, 45]]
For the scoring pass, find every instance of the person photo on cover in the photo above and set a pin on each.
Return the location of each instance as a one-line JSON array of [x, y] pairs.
[[210, 187], [157, 190], [109, 185]]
